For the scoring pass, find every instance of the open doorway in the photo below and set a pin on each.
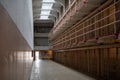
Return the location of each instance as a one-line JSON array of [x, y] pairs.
[[37, 55], [43, 54]]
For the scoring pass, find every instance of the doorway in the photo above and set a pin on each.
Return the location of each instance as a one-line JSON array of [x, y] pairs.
[[37, 55]]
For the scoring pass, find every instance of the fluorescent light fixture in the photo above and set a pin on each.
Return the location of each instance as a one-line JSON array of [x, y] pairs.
[[43, 17]]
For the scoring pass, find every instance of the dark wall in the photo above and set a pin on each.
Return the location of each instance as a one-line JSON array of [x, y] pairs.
[[100, 63]]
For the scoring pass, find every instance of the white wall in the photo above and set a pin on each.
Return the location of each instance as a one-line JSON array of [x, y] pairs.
[[22, 15]]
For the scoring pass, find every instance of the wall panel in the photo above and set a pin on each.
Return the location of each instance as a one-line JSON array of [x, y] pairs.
[[100, 63], [15, 52]]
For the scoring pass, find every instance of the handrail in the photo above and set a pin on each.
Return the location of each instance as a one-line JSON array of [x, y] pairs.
[[109, 1], [64, 15], [96, 28]]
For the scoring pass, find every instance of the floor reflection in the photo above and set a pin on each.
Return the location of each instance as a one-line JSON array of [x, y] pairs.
[[49, 70]]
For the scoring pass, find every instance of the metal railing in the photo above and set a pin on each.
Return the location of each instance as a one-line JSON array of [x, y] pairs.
[[91, 29]]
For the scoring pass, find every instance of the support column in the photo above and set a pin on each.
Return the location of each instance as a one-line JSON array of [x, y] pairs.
[[33, 55]]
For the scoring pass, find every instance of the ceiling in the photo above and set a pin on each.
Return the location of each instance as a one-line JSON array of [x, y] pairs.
[[47, 9]]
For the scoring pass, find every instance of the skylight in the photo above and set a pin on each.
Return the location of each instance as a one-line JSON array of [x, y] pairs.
[[47, 4], [48, 1], [45, 12], [43, 17]]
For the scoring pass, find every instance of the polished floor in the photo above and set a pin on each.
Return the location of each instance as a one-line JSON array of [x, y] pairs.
[[49, 70]]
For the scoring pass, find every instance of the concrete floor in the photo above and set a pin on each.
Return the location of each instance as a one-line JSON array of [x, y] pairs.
[[49, 70]]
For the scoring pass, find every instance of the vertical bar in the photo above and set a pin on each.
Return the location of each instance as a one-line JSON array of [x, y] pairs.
[[115, 29]]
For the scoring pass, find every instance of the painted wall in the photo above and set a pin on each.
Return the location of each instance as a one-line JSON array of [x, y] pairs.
[[21, 13], [15, 40]]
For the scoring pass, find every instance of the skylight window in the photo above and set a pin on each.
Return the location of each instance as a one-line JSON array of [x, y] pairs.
[[45, 12], [48, 1], [47, 4], [43, 17]]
